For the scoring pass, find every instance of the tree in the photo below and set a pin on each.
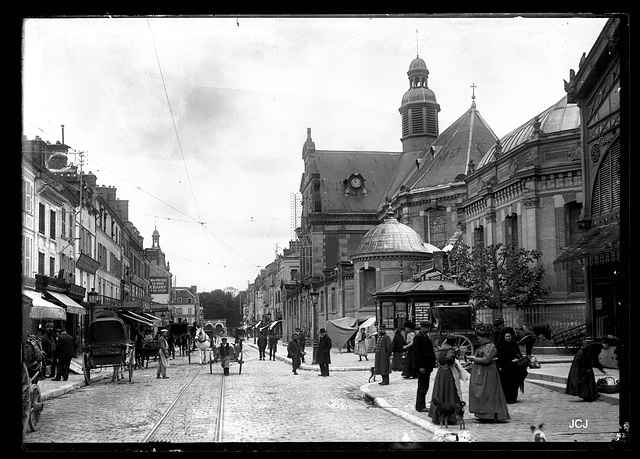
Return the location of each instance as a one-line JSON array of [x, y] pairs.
[[499, 275], [221, 305]]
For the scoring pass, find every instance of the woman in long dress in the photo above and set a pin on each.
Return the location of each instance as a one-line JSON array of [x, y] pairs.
[[361, 344], [581, 380], [486, 399], [397, 349], [410, 371], [512, 376], [446, 386]]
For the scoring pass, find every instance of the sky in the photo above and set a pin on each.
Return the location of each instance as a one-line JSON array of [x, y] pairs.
[[199, 122]]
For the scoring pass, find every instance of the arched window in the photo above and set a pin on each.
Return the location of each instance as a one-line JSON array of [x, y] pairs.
[[478, 235], [606, 189], [511, 230]]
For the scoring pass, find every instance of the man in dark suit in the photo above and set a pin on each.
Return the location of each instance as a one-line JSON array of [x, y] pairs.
[[262, 345], [424, 358], [323, 357], [65, 353]]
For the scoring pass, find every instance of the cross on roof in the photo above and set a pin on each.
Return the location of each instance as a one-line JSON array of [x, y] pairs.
[[473, 89]]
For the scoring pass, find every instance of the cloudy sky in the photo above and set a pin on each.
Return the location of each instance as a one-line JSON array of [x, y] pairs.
[[199, 122]]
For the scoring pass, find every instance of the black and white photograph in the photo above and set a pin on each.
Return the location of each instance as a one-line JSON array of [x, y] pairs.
[[428, 211]]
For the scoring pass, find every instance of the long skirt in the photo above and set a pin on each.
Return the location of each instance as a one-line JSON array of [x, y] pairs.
[[396, 361], [444, 390], [581, 382]]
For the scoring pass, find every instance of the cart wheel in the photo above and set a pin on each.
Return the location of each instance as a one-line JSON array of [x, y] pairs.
[[26, 397], [210, 365], [189, 354], [86, 369], [465, 345], [573, 342], [240, 361], [36, 407]]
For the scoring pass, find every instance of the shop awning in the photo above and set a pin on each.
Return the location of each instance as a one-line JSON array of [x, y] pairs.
[[43, 309], [72, 306], [598, 245], [136, 317], [148, 316]]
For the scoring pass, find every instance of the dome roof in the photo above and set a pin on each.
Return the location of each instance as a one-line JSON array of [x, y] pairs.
[[390, 236], [417, 63], [416, 95], [561, 116]]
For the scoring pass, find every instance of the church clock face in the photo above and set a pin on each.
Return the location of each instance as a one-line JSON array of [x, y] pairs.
[[356, 182]]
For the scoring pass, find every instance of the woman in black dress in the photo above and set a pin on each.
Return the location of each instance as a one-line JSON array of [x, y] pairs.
[[581, 381], [512, 376]]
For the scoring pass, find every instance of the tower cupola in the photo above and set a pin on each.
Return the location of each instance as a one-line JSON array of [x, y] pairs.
[[419, 109]]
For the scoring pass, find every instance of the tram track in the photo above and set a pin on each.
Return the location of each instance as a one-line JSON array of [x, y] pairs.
[[154, 436]]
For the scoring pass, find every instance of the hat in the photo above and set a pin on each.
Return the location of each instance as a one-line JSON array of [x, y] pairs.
[[408, 324], [610, 339], [224, 339], [163, 330], [425, 323], [382, 326], [498, 321], [322, 330]]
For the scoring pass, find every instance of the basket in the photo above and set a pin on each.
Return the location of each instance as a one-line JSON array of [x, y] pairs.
[[604, 386]]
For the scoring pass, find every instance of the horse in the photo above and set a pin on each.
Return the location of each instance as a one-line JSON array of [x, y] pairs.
[[203, 343], [526, 335]]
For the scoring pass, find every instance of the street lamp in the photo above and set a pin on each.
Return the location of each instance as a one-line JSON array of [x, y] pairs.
[[314, 294], [93, 297]]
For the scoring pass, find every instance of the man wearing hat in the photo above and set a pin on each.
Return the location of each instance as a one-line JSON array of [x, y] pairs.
[[425, 359], [163, 355], [323, 357], [226, 353]]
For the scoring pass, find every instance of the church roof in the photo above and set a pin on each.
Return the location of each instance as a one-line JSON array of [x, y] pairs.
[[561, 116], [447, 158], [334, 168], [467, 139]]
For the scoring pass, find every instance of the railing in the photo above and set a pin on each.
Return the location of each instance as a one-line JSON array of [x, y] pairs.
[[559, 315]]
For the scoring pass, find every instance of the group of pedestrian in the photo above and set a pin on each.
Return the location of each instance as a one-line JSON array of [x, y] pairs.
[[59, 348], [263, 341]]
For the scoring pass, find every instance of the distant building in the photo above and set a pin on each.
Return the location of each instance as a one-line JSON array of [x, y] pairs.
[[185, 304]]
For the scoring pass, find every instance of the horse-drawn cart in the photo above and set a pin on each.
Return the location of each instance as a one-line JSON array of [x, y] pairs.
[[108, 347], [458, 321], [572, 338]]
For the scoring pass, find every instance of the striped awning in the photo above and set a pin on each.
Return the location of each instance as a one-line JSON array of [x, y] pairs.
[[72, 306], [43, 309], [136, 317], [148, 316]]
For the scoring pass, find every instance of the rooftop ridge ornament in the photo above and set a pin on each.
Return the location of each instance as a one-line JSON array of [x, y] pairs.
[[473, 95]]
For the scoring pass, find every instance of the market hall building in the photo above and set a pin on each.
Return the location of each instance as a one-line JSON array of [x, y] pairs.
[[462, 184]]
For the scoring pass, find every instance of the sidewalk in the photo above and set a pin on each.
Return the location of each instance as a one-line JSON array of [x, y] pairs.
[[399, 397]]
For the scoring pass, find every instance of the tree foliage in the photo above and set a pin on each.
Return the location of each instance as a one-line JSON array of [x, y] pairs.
[[221, 305], [499, 275]]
